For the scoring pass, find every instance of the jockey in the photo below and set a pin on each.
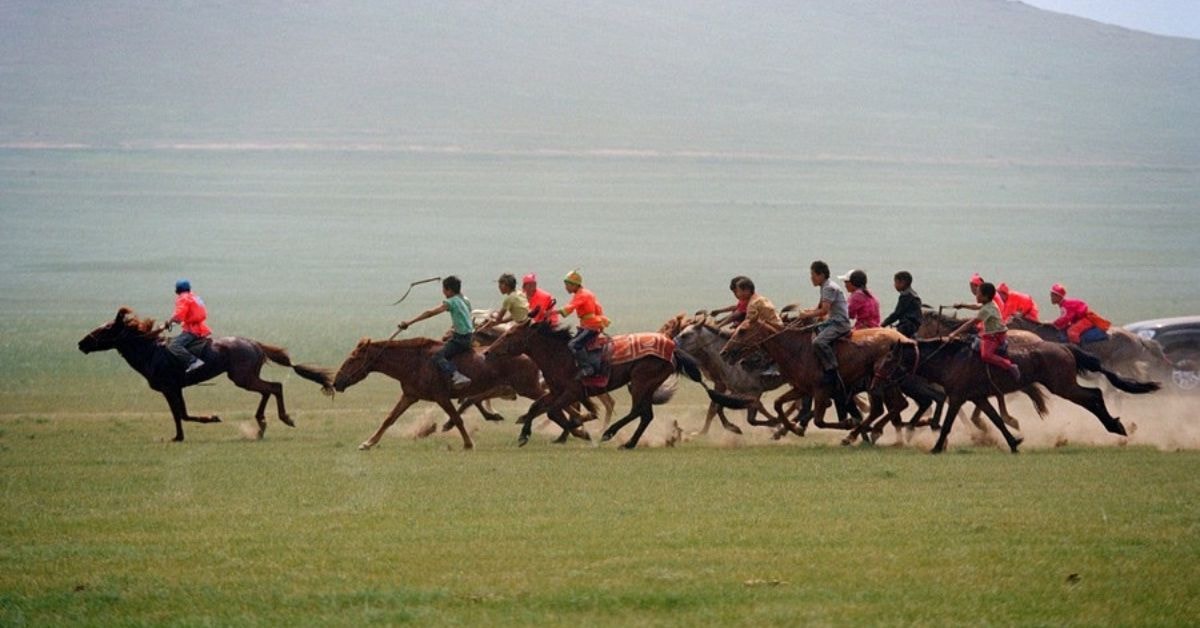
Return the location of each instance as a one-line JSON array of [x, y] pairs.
[[835, 312], [737, 311], [976, 282], [464, 331], [190, 311], [514, 307], [1077, 321], [907, 315], [863, 307], [758, 307], [994, 332], [1016, 303], [591, 320], [539, 300]]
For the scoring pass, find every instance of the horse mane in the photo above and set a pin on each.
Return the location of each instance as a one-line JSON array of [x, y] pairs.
[[143, 326], [560, 331], [942, 319]]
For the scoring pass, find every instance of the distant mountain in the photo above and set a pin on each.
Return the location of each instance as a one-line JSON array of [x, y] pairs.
[[934, 80]]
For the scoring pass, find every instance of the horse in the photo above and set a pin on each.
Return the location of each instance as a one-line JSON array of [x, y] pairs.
[[646, 374], [241, 359], [954, 365], [791, 348], [486, 332], [702, 339], [410, 362], [1122, 351]]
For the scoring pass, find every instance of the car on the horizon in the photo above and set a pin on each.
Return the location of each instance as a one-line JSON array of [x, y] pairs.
[[1180, 340]]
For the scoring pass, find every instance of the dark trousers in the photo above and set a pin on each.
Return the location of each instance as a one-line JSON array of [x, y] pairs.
[[578, 345], [183, 348], [823, 345], [458, 343]]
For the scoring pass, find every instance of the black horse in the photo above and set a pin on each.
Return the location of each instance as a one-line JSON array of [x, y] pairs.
[[143, 347]]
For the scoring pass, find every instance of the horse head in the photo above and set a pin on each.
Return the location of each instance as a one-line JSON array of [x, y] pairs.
[[356, 366], [124, 326], [513, 342], [747, 337], [672, 327]]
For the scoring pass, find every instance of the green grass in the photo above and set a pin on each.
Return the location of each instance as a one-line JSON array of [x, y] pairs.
[[105, 523]]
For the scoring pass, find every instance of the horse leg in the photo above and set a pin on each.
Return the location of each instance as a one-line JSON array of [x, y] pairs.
[[609, 405], [251, 379], [1008, 418], [178, 411], [1090, 399], [448, 406], [404, 404], [647, 416], [725, 423], [996, 420], [951, 414], [821, 403], [708, 417]]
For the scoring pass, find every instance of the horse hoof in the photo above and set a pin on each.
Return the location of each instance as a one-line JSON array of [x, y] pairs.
[[287, 420], [497, 418], [605, 437], [629, 445], [935, 450], [177, 439], [468, 446], [214, 419], [364, 446], [522, 441], [934, 427], [846, 442]]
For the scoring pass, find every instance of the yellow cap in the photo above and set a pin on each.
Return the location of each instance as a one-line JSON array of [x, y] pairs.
[[574, 277]]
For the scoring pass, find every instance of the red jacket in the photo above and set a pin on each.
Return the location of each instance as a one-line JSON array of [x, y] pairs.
[[544, 303], [189, 310]]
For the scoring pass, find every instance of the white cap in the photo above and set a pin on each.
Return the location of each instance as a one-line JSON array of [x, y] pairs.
[[846, 277]]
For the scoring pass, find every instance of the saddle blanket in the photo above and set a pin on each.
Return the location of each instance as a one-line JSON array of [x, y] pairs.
[[630, 347]]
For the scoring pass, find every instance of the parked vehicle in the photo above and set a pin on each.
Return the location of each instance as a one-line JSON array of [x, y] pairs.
[[1180, 340]]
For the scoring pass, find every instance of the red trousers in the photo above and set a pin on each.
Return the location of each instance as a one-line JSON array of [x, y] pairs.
[[988, 343]]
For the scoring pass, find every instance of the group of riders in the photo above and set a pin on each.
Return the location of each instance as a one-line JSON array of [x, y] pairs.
[[838, 312]]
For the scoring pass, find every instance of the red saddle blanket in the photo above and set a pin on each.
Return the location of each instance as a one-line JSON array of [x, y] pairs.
[[630, 347]]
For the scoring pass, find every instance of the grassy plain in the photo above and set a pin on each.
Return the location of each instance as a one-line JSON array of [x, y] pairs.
[[105, 523]]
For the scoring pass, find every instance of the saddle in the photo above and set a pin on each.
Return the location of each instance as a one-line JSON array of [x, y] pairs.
[[599, 357]]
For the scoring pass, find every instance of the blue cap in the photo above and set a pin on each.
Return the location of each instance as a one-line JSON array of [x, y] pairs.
[[183, 285]]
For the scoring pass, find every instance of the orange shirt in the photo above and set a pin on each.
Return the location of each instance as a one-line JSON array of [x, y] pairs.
[[544, 303], [189, 310], [584, 305], [1019, 303]]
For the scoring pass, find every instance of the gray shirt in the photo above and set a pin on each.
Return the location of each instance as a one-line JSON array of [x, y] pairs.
[[839, 310]]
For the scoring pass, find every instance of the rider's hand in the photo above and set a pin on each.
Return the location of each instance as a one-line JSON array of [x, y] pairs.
[[402, 326], [168, 325], [958, 306]]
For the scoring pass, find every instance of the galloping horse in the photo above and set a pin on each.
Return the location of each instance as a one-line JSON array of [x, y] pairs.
[[791, 348], [954, 365], [702, 340], [645, 375], [143, 347], [411, 363], [1123, 352]]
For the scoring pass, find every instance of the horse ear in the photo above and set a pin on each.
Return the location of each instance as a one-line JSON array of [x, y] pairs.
[[362, 342], [122, 312]]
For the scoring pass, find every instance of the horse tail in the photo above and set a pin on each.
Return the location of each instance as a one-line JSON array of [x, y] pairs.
[[687, 365], [1038, 398], [1086, 362], [665, 391], [280, 356]]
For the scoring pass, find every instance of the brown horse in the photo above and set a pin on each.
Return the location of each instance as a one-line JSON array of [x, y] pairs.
[[645, 377], [954, 365], [143, 347], [791, 348], [411, 363]]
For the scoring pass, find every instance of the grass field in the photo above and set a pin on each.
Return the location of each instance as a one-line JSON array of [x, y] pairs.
[[104, 523]]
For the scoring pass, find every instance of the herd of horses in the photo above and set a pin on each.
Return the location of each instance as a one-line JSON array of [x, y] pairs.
[[533, 361]]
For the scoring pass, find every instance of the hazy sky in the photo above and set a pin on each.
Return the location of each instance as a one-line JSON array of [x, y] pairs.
[[1180, 18]]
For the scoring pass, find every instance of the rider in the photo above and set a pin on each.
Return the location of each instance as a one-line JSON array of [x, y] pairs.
[[862, 305], [737, 311], [976, 282], [591, 320], [907, 315], [190, 311], [994, 332], [1077, 321], [758, 307], [1016, 303], [541, 304], [463, 330], [836, 324], [514, 307]]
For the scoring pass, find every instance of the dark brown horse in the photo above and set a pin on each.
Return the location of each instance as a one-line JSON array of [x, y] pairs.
[[143, 347], [645, 377], [790, 347], [954, 365], [411, 363]]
